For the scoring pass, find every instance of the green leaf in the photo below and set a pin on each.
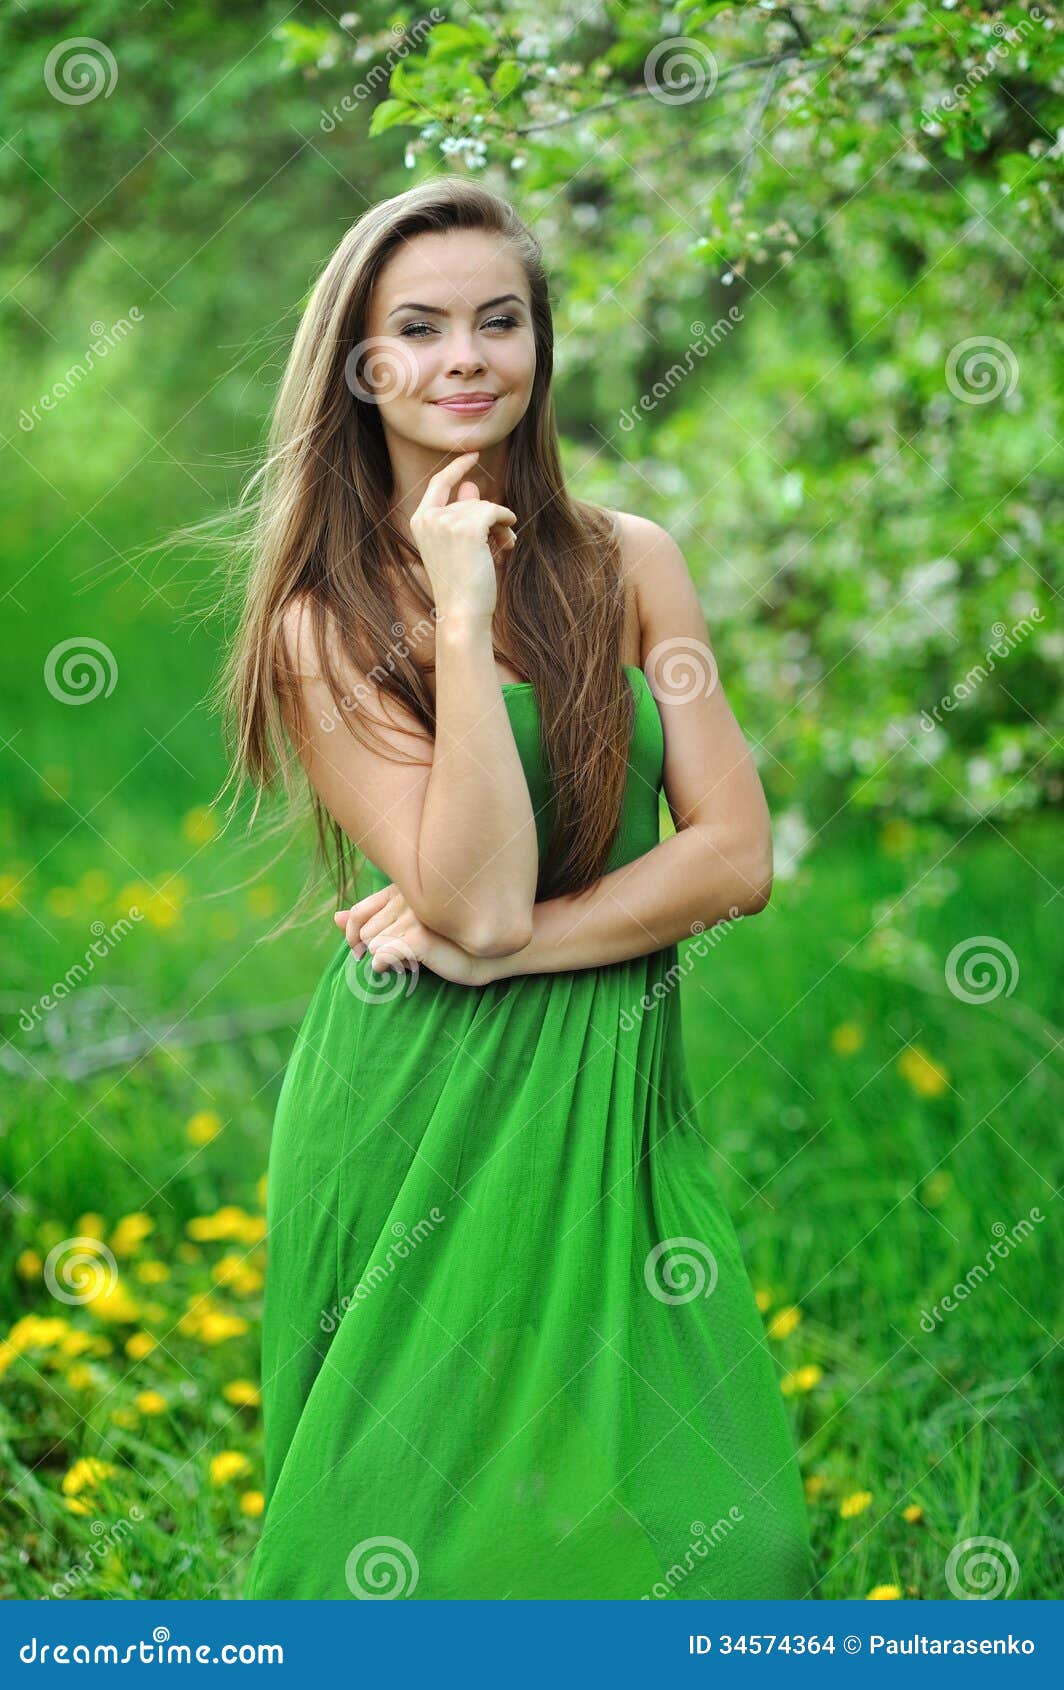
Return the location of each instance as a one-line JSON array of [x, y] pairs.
[[507, 76]]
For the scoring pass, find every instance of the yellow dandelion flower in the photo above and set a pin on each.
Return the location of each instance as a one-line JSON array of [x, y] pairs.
[[140, 1345], [8, 1353], [203, 1126], [90, 1226], [62, 901], [263, 900], [36, 1332], [914, 1514], [230, 1464], [134, 895], [200, 825], [927, 1077], [884, 1593], [28, 1265], [9, 892], [854, 1504], [814, 1484], [764, 1299], [86, 1473], [113, 1303], [76, 1343], [252, 1502], [215, 1328], [130, 1232], [161, 912], [228, 1224], [847, 1038], [783, 1324], [152, 1272], [124, 1417], [244, 1393], [80, 1376], [76, 1506], [802, 1379], [151, 1402]]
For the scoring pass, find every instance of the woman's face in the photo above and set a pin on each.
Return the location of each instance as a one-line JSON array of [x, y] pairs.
[[449, 316]]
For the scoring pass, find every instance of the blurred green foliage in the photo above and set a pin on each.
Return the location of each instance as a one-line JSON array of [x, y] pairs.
[[803, 269]]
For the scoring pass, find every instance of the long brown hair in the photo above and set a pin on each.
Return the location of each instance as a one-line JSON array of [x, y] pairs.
[[321, 532]]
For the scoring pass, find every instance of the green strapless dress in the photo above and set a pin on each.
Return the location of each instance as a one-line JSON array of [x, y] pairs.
[[510, 1347]]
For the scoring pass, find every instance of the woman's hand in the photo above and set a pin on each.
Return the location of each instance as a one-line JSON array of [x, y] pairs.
[[462, 541], [384, 924]]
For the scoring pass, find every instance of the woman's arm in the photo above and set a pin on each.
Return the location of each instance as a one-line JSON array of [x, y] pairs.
[[454, 831], [719, 862]]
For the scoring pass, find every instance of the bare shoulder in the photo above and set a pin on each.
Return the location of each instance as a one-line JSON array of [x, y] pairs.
[[657, 573], [299, 640]]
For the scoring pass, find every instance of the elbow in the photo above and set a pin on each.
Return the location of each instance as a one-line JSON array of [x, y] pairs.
[[498, 937], [500, 933], [754, 880], [740, 876]]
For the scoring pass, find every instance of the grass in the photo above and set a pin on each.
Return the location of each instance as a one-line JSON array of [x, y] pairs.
[[874, 1135]]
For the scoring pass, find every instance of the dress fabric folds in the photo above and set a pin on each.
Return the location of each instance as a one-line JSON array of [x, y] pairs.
[[510, 1347]]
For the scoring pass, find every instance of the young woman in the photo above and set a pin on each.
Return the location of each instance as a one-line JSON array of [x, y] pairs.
[[510, 1347]]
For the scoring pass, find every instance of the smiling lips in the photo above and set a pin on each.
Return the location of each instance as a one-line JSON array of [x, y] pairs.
[[467, 404]]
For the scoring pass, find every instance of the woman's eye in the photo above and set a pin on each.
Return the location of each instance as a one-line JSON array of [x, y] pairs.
[[410, 330]]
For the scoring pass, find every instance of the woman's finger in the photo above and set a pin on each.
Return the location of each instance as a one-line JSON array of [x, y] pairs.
[[441, 485]]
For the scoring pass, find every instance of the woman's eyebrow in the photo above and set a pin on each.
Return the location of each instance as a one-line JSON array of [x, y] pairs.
[[438, 311]]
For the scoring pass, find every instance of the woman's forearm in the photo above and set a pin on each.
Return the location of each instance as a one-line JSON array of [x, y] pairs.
[[649, 903], [477, 849]]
